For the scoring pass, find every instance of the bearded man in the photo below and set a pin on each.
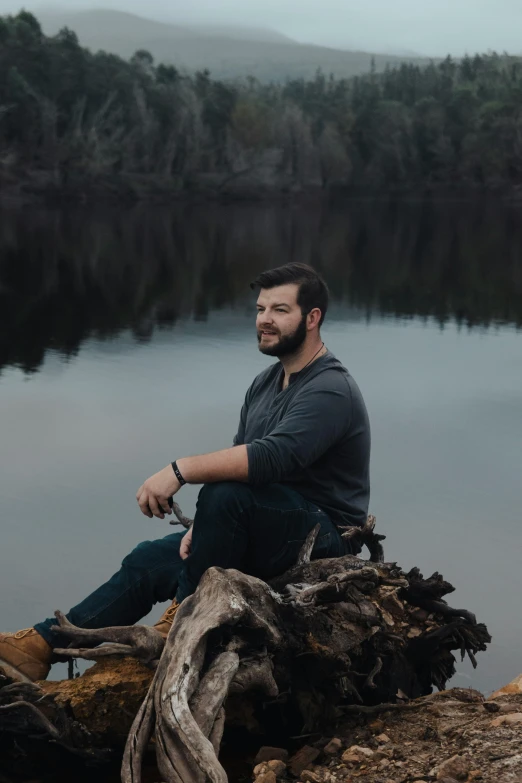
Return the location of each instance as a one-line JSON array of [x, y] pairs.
[[300, 457]]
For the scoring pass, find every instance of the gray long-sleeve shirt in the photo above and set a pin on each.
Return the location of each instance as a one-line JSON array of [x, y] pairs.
[[313, 436]]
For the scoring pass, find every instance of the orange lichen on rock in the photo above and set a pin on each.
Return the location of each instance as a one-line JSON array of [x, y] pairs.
[[515, 686], [106, 697]]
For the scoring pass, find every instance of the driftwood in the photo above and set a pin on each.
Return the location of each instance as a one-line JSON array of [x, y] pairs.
[[327, 638]]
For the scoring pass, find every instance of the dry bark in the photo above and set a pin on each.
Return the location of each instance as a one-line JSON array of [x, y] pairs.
[[328, 637]]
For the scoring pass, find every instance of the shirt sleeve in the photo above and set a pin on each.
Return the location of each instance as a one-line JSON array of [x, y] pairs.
[[239, 438], [315, 422]]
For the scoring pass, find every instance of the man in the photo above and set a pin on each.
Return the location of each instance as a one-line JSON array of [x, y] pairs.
[[300, 457]]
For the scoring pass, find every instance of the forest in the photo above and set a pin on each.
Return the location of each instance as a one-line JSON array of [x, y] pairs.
[[75, 123]]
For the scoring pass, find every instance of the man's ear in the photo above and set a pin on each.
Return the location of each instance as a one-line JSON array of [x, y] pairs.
[[314, 317]]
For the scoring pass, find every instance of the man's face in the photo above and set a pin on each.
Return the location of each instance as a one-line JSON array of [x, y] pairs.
[[281, 327]]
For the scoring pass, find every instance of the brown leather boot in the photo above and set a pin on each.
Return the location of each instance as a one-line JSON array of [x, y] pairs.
[[25, 656], [164, 624]]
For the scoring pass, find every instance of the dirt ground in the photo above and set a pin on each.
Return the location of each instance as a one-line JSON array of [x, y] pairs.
[[454, 737]]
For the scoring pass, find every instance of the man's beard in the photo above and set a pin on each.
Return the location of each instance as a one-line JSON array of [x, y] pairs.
[[288, 344]]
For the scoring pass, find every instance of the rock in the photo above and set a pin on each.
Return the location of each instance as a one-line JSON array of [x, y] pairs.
[[266, 753], [515, 686], [357, 754], [456, 767], [122, 684], [515, 717], [334, 747], [310, 777], [267, 777], [467, 695], [509, 708], [300, 760], [383, 739], [278, 767], [491, 706]]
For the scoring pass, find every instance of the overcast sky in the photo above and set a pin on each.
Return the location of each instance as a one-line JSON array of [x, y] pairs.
[[432, 27]]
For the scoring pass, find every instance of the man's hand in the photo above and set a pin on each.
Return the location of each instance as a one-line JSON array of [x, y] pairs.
[[186, 544], [153, 496]]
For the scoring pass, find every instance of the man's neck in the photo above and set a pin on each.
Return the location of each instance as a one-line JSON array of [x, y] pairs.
[[297, 361]]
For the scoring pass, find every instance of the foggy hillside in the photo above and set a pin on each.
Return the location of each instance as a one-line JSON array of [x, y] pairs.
[[228, 52], [130, 27]]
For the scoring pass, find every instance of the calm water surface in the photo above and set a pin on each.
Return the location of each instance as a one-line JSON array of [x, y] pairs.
[[127, 339]]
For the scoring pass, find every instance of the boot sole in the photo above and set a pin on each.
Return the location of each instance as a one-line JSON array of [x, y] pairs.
[[13, 672]]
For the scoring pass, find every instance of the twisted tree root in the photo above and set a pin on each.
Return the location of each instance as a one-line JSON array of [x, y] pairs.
[[185, 747], [365, 536], [140, 641], [313, 634]]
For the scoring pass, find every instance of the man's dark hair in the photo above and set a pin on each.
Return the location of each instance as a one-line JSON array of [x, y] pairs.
[[313, 291]]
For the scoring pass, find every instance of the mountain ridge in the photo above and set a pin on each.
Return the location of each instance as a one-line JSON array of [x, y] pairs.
[[54, 17], [227, 52]]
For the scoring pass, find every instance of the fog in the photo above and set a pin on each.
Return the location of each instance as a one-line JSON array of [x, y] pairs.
[[427, 27]]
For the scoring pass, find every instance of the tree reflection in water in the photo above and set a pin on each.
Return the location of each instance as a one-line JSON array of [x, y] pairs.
[[69, 275]]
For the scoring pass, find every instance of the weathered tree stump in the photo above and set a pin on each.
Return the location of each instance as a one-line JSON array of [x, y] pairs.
[[328, 637]]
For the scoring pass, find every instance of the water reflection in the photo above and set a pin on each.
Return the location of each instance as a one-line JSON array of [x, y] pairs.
[[66, 276]]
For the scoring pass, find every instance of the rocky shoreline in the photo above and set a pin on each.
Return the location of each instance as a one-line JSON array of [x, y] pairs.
[[454, 736]]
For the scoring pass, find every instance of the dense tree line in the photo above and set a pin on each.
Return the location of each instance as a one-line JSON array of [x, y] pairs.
[[74, 120]]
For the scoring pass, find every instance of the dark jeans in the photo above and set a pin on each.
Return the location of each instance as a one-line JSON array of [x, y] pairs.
[[257, 530]]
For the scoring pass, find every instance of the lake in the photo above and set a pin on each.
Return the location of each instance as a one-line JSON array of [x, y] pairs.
[[127, 339]]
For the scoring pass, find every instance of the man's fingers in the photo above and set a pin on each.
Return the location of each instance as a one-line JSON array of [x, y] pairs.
[[151, 505], [154, 507], [143, 502], [185, 547], [138, 493], [163, 503]]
